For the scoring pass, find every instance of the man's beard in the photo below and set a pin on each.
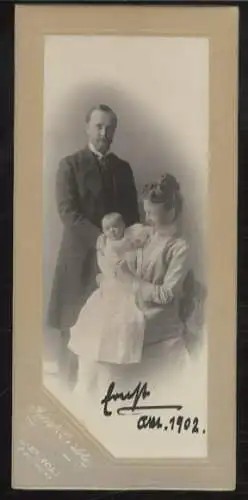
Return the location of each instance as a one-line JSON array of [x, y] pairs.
[[103, 145]]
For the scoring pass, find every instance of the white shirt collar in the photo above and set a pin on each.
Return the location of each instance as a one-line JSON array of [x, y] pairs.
[[98, 154]]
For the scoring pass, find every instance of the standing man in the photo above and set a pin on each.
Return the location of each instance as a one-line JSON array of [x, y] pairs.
[[90, 183]]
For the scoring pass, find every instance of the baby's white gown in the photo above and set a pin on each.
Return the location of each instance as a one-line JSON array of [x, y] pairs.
[[110, 327]]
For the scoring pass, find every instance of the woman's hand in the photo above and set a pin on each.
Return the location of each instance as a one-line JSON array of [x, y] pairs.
[[124, 274], [123, 268], [144, 292]]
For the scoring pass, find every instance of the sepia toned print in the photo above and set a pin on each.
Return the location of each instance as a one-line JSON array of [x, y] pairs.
[[123, 307]]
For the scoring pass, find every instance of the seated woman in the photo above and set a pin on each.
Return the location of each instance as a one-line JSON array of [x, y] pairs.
[[157, 272]]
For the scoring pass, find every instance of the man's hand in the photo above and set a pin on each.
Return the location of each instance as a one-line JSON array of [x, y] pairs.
[[99, 278]]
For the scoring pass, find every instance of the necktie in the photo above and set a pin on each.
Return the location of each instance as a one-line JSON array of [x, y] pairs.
[[107, 183], [103, 163]]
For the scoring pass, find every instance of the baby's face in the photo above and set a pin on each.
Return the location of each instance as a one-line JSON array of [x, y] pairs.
[[114, 231]]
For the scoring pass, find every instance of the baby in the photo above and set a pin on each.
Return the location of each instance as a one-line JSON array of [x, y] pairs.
[[115, 241], [110, 327]]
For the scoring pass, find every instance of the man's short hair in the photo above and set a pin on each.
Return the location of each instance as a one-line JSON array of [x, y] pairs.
[[105, 109]]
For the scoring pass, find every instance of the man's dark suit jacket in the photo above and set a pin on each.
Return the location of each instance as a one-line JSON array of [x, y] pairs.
[[82, 202]]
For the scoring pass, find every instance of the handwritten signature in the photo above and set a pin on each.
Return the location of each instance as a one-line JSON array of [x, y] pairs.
[[140, 392]]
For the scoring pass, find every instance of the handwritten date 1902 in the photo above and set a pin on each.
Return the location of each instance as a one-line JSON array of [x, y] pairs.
[[177, 424]]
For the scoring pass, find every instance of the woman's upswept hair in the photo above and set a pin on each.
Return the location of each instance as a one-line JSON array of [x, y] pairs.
[[165, 191]]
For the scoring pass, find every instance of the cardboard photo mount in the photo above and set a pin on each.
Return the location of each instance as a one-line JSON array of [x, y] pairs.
[[220, 26]]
